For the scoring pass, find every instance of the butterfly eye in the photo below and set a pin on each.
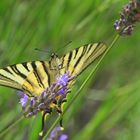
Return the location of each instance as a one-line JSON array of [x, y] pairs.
[[53, 55], [60, 66]]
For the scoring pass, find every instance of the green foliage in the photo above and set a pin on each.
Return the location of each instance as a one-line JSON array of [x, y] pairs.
[[108, 107]]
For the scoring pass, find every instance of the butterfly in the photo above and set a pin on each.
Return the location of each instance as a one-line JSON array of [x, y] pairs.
[[33, 78]]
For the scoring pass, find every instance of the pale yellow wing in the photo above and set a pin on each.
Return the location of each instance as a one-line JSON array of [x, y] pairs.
[[30, 77], [77, 60]]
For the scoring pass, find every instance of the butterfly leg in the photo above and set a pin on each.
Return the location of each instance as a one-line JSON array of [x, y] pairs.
[[60, 111], [61, 121], [44, 116]]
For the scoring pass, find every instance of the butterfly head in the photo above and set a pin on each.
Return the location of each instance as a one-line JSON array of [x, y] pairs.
[[55, 62], [54, 55]]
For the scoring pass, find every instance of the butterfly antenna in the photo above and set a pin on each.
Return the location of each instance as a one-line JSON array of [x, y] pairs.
[[56, 50], [36, 49], [67, 44]]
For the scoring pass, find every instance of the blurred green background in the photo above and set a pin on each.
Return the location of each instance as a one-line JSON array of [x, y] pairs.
[[108, 108]]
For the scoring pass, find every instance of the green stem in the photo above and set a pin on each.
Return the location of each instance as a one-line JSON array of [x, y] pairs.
[[82, 86], [11, 126]]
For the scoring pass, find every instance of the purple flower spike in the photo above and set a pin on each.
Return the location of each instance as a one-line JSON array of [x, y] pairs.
[[54, 133], [23, 99], [56, 91], [32, 101], [62, 91], [63, 79], [129, 16], [57, 134], [63, 137]]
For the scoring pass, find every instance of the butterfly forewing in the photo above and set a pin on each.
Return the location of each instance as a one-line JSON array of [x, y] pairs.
[[30, 77], [79, 59]]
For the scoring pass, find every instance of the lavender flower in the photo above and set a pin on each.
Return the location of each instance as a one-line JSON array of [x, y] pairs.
[[128, 18], [57, 134], [51, 95], [63, 137], [23, 99], [63, 79]]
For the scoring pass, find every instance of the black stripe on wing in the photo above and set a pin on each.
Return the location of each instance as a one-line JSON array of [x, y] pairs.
[[69, 59], [36, 74], [25, 66], [46, 71], [18, 72], [7, 70], [80, 57], [6, 78]]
